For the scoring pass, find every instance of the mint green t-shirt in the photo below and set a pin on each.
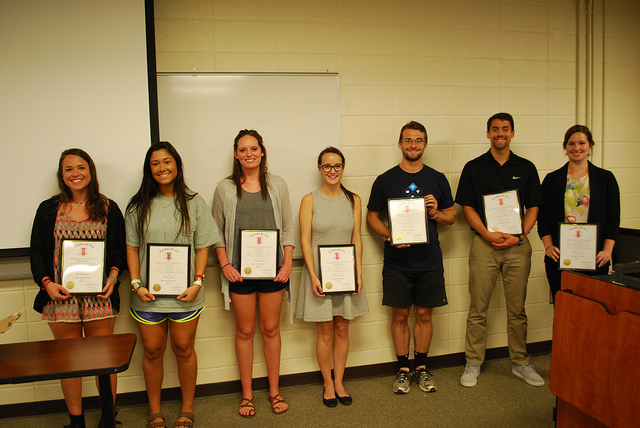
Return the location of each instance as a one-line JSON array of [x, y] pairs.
[[163, 227]]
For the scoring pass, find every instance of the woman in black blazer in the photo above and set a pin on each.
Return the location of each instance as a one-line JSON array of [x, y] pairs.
[[579, 192], [78, 211]]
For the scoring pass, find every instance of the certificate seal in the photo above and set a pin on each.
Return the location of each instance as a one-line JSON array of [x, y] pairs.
[[157, 287], [399, 237], [566, 262], [328, 286], [248, 270], [70, 285]]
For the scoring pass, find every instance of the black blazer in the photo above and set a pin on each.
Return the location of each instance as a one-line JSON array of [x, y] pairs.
[[43, 244], [604, 205]]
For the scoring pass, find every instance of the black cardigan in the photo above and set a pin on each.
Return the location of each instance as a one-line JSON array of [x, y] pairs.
[[604, 203], [43, 244]]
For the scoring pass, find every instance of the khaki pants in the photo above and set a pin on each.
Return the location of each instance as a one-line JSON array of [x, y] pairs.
[[485, 265]]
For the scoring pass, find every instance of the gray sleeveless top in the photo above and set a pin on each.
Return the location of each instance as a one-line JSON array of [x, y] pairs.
[[331, 224]]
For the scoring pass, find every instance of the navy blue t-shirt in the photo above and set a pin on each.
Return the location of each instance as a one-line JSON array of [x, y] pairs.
[[397, 183]]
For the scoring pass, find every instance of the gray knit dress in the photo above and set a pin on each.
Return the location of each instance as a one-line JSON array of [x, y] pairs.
[[331, 224]]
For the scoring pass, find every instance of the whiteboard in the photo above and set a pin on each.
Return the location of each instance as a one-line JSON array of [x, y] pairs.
[[74, 74], [298, 115]]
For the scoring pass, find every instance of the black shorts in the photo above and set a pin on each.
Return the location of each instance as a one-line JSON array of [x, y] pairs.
[[248, 286], [403, 289]]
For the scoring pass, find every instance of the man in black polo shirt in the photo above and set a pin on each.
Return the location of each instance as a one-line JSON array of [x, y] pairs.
[[412, 275], [495, 253]]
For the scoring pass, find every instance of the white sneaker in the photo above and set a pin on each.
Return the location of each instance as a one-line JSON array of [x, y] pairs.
[[528, 374], [470, 376]]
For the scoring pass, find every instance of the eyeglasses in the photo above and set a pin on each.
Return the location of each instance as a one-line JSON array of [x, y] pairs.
[[327, 168], [411, 140]]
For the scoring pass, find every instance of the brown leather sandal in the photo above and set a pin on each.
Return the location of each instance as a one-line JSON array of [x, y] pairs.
[[275, 400], [244, 404], [184, 423], [160, 424]]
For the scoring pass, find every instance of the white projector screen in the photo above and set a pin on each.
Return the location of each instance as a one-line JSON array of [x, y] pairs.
[[73, 74]]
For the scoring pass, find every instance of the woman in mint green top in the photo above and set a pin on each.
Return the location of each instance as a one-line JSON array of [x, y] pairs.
[[166, 211]]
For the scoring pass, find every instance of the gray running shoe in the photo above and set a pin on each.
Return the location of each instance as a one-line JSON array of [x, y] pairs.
[[424, 380], [527, 373], [470, 376], [401, 385]]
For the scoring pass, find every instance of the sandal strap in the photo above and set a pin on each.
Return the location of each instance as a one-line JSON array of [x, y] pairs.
[[188, 415], [160, 424], [276, 399], [247, 403], [188, 423], [153, 416], [248, 400]]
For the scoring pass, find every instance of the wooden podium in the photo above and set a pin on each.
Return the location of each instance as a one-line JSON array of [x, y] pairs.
[[595, 358]]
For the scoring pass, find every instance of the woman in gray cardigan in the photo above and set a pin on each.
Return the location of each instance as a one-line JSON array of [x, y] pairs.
[[251, 198]]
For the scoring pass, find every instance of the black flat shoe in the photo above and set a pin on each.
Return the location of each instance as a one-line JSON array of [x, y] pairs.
[[346, 400], [329, 402]]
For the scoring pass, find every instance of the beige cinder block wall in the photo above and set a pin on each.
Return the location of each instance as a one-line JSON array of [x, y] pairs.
[[448, 64]]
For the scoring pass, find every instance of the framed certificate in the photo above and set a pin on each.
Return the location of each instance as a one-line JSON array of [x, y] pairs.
[[338, 268], [502, 212], [259, 253], [408, 221], [578, 246], [168, 267], [83, 265]]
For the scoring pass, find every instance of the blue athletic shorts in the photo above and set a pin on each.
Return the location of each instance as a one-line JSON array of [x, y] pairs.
[[158, 317]]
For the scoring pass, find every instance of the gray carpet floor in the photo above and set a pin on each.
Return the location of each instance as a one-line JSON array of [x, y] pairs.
[[499, 400]]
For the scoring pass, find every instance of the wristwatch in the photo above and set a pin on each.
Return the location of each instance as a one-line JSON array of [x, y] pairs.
[[521, 240]]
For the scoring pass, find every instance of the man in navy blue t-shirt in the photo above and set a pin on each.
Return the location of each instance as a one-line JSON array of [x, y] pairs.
[[412, 275]]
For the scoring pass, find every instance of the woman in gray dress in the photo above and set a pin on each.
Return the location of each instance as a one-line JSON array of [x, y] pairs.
[[330, 216]]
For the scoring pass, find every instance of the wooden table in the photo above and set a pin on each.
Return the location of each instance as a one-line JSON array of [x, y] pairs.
[[60, 359]]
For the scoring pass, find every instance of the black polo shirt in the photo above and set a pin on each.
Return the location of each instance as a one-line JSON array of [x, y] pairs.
[[484, 175]]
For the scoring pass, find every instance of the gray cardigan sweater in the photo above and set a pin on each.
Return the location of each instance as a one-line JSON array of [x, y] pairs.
[[224, 212]]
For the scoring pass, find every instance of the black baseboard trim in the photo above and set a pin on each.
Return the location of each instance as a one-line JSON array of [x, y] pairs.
[[173, 394]]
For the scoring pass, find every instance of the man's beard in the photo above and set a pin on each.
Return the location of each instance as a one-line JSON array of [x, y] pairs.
[[408, 156]]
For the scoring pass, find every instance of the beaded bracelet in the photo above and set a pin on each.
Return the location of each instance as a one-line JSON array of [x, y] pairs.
[[135, 285]]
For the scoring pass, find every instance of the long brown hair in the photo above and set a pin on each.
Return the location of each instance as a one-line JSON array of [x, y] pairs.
[[348, 193], [237, 175], [140, 203], [96, 203]]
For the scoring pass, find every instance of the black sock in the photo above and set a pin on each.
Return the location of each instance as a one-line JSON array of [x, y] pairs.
[[420, 359], [77, 420], [403, 361]]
